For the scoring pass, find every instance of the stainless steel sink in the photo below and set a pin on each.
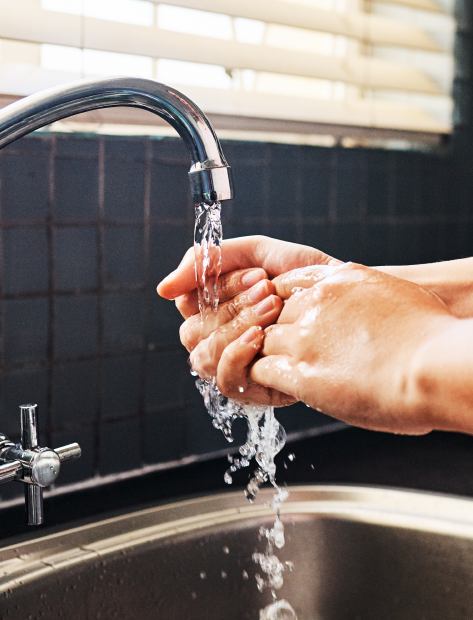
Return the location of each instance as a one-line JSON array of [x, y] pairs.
[[358, 553]]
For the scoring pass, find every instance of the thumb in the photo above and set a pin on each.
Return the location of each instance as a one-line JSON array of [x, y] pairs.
[[276, 372]]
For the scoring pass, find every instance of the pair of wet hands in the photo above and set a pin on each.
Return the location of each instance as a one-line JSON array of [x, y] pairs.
[[340, 337], [263, 326]]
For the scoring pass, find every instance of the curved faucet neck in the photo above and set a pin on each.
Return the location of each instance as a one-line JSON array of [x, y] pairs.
[[210, 176]]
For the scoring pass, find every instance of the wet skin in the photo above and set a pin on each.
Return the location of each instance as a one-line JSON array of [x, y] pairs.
[[369, 348]]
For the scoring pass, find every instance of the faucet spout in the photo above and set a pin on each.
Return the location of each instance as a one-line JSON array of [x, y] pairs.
[[210, 176]]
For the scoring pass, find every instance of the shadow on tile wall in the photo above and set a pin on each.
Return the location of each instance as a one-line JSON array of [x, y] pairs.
[[89, 226]]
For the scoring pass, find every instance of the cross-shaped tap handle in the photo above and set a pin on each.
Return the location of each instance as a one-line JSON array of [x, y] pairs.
[[36, 467]]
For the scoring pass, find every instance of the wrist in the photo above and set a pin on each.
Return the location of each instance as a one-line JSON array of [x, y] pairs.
[[434, 382], [451, 281]]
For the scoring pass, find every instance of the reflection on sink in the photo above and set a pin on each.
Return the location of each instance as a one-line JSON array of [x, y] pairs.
[[358, 553]]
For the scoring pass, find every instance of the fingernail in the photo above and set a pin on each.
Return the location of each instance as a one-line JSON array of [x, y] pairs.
[[258, 292], [250, 278], [249, 335], [265, 306]]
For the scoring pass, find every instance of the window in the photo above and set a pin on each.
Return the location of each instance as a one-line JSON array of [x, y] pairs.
[[384, 64]]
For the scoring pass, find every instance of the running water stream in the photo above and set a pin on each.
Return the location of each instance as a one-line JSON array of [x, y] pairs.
[[265, 436]]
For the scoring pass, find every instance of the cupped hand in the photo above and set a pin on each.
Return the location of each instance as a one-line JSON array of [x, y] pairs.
[[345, 344], [275, 257], [242, 317]]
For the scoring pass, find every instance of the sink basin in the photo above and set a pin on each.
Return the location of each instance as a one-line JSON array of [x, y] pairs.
[[358, 553]]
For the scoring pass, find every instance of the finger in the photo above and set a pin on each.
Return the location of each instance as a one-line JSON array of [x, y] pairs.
[[232, 373], [327, 282], [232, 370], [305, 277], [229, 285], [206, 355], [278, 340], [274, 256], [304, 305], [194, 329], [181, 280], [277, 372]]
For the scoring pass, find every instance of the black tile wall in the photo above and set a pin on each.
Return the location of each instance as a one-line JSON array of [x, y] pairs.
[[25, 330], [76, 324], [122, 321], [165, 436], [120, 446], [25, 252], [74, 393], [24, 191], [75, 258], [25, 385], [89, 226], [123, 256], [122, 378]]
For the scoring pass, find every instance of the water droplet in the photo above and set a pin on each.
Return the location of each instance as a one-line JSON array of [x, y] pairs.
[[224, 575], [194, 595], [241, 389], [245, 574], [203, 575], [226, 549], [312, 466], [291, 457]]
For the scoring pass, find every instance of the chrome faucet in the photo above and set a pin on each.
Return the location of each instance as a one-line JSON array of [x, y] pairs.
[[27, 462], [210, 180], [210, 176]]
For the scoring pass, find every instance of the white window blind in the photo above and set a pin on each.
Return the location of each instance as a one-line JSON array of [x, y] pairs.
[[364, 63]]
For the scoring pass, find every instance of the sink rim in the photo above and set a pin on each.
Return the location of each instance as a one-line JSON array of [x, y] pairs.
[[417, 510]]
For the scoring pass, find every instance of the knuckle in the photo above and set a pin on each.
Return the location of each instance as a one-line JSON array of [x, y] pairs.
[[224, 283], [227, 357], [194, 360], [232, 310], [225, 386], [185, 334], [181, 304], [199, 364]]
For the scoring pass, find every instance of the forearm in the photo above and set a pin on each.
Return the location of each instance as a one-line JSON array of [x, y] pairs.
[[440, 389], [452, 281]]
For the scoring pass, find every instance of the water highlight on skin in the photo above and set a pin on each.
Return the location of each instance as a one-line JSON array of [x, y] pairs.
[[265, 436]]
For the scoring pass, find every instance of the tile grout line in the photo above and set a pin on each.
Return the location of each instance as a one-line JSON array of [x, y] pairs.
[[145, 298], [51, 286], [100, 305]]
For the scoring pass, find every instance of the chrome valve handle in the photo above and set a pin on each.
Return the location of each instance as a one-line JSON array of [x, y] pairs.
[[27, 462]]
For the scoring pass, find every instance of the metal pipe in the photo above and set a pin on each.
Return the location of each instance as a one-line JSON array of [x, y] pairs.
[[8, 471], [34, 504], [210, 176], [71, 452], [29, 427], [34, 466]]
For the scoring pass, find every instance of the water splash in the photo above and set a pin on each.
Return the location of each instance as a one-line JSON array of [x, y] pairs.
[[265, 436], [279, 610]]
